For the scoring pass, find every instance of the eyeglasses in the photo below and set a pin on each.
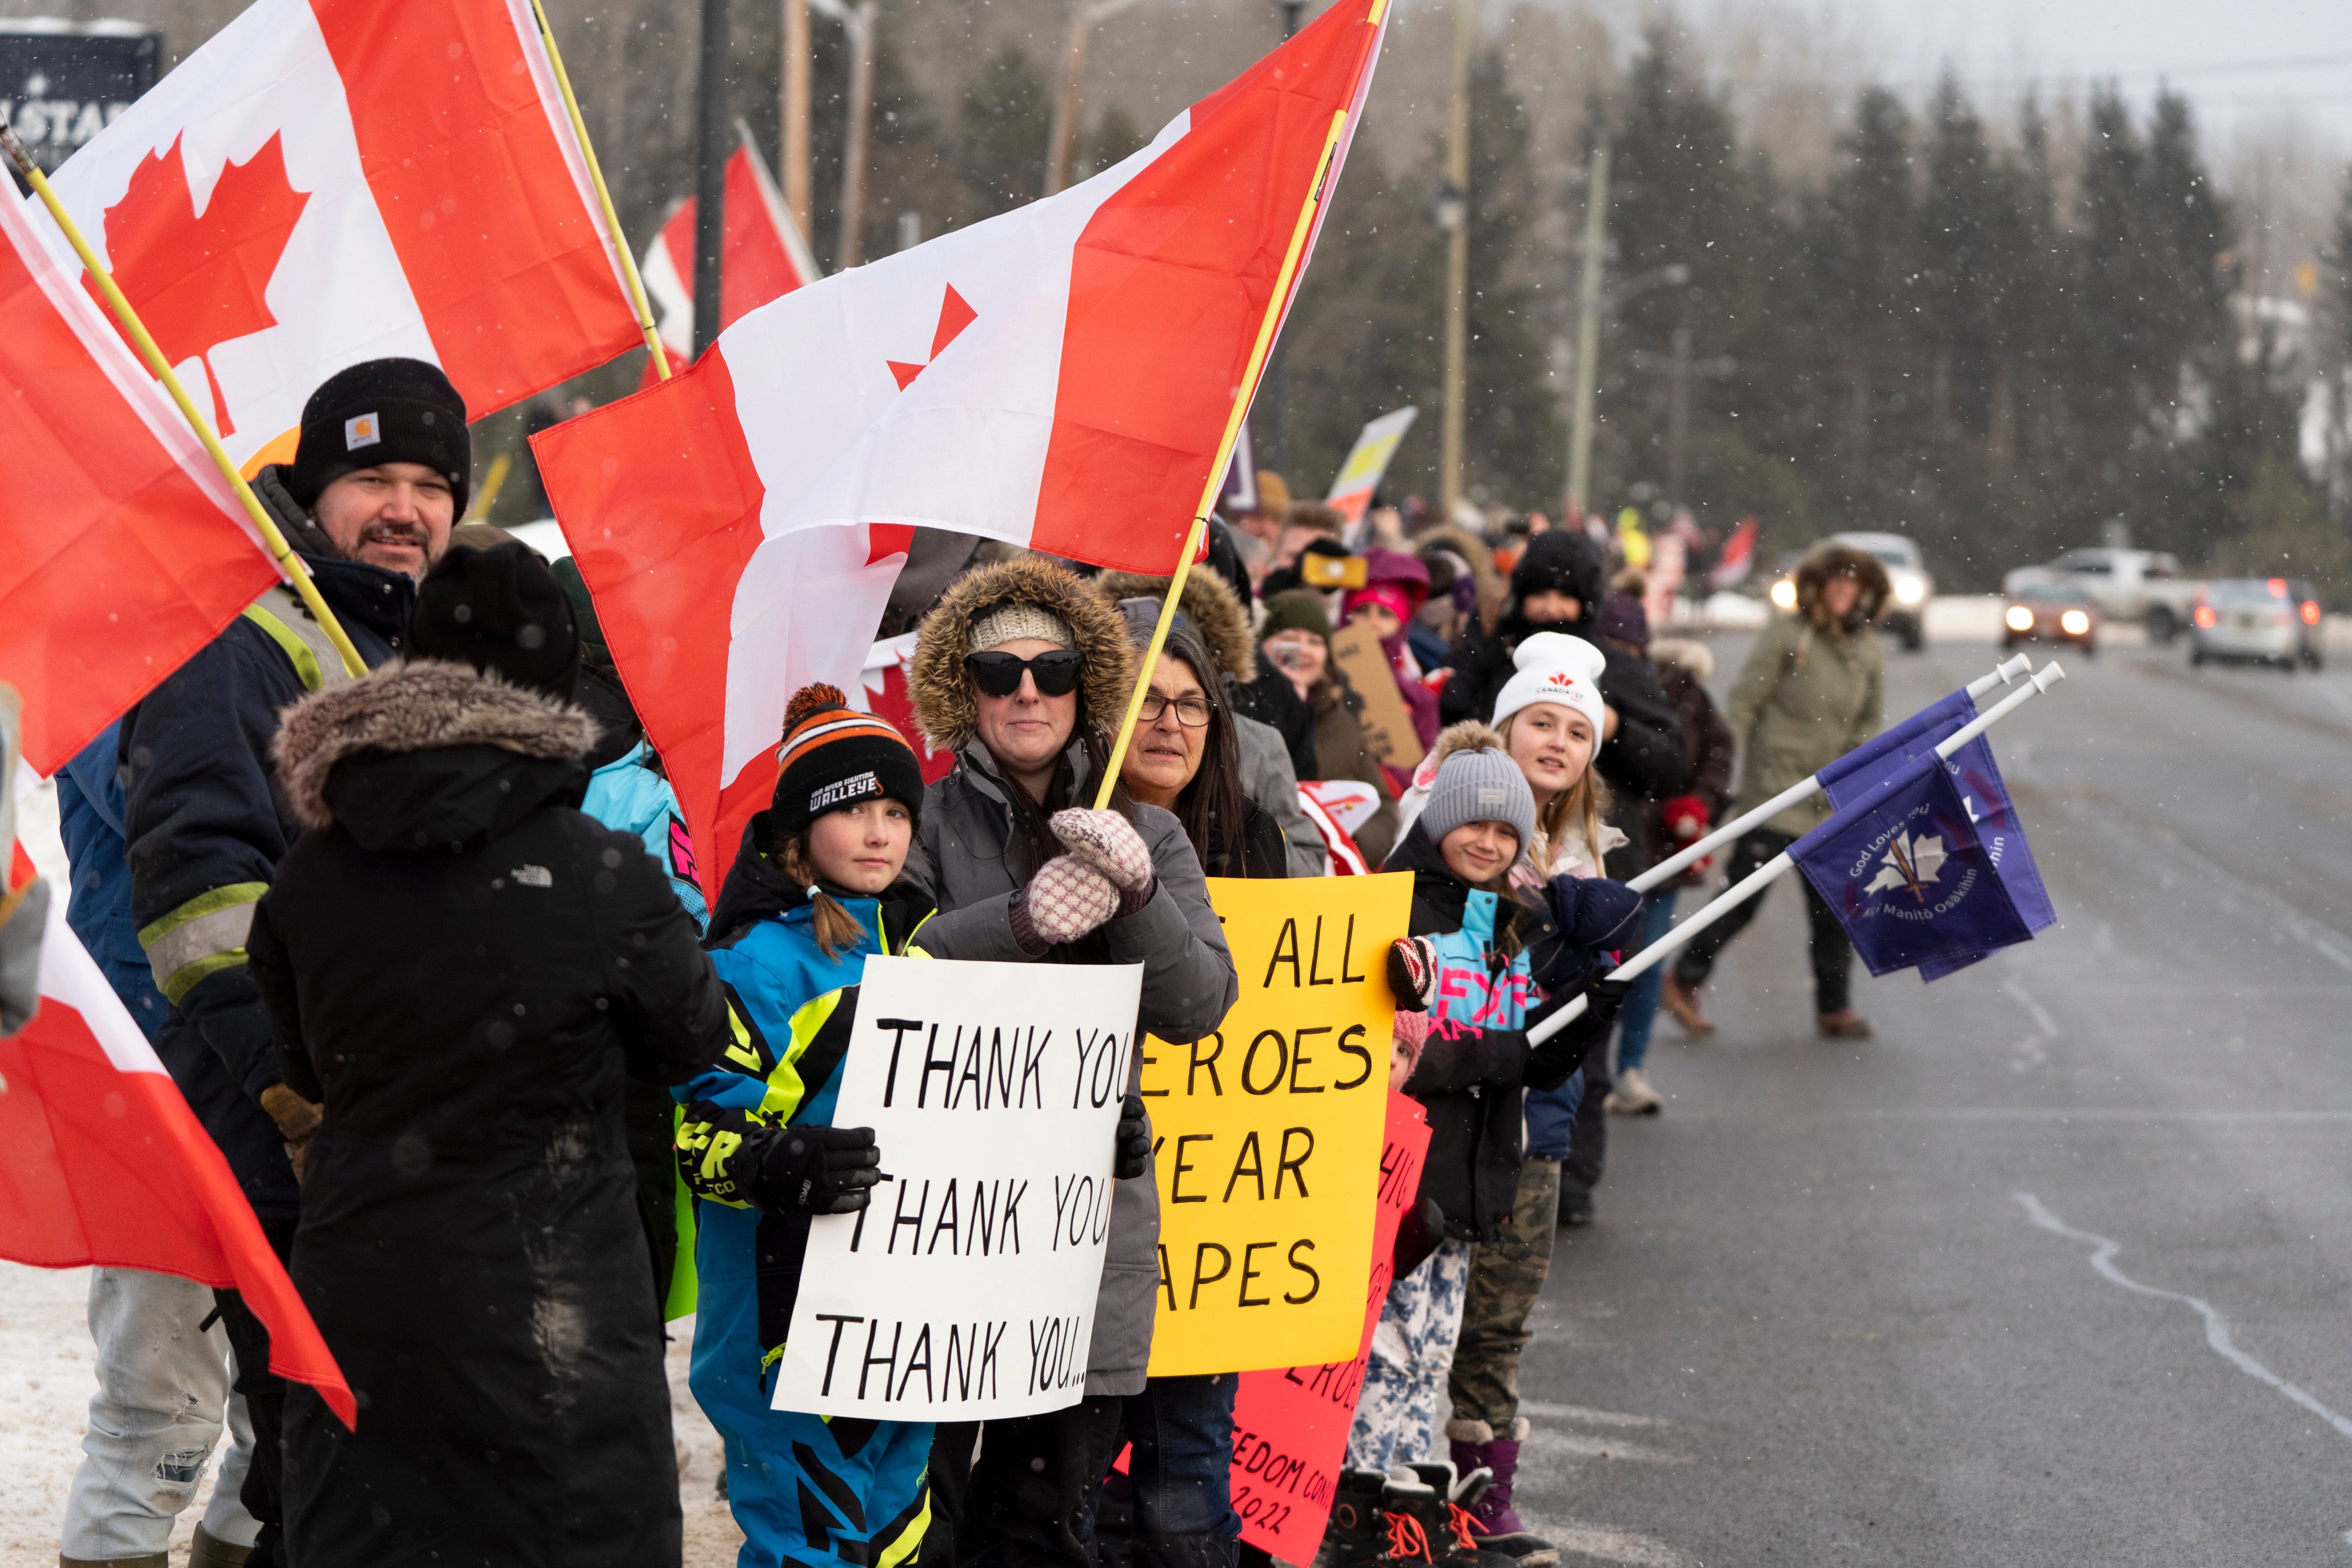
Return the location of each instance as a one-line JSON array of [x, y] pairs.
[[1192, 711], [999, 673]]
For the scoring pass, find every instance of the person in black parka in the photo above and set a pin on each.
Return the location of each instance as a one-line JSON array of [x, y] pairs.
[[463, 968]]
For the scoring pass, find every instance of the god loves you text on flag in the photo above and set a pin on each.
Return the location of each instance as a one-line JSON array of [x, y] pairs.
[[966, 1291], [1266, 1133]]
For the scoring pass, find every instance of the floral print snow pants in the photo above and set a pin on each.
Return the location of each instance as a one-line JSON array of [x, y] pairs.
[[1412, 1352]]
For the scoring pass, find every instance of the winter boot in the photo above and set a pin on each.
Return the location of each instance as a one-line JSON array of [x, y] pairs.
[[1494, 1522], [209, 1551], [1358, 1534], [1843, 1024], [1419, 1496]]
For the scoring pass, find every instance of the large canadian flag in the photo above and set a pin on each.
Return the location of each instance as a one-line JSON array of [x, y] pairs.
[[103, 1162], [1062, 376], [122, 550], [331, 181], [762, 257]]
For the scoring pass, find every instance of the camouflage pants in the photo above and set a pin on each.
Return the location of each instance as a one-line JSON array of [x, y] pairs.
[[1396, 1420], [1505, 1278]]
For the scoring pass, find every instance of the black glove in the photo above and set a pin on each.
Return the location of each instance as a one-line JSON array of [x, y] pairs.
[[816, 1170], [1131, 1154], [1413, 973], [1557, 1059]]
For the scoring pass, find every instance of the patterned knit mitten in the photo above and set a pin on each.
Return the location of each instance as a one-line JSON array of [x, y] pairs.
[[1066, 899], [1109, 842], [1413, 973]]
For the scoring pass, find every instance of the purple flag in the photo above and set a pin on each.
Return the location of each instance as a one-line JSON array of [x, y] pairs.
[[1888, 752]]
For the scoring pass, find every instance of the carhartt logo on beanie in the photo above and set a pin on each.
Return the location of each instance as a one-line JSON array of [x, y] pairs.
[[383, 411]]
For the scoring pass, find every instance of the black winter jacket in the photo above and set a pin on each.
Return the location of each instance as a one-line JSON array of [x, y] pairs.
[[205, 824], [463, 968], [1469, 1087], [1645, 761]]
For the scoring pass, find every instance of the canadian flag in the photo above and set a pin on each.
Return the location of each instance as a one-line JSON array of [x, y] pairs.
[[326, 181], [1062, 376], [762, 257], [122, 550], [101, 1162]]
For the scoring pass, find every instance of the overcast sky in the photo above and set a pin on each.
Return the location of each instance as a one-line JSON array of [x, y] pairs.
[[2234, 59]]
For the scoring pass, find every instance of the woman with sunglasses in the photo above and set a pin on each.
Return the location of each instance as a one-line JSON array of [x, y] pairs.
[[1020, 670]]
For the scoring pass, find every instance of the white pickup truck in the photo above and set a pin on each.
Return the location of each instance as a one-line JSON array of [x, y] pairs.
[[2146, 586]]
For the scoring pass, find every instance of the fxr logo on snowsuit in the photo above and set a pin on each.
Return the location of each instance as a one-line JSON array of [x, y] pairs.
[[1471, 994]]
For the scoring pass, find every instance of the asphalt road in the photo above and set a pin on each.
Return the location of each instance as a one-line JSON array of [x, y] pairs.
[[2058, 1269]]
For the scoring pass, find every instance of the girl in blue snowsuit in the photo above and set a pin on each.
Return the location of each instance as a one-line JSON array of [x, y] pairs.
[[813, 890]]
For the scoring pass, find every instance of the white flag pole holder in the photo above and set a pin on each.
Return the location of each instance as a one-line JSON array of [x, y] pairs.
[[1665, 870], [1756, 880]]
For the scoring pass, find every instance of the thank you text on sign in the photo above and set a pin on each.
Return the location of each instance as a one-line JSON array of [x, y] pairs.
[[1267, 1133], [966, 1291]]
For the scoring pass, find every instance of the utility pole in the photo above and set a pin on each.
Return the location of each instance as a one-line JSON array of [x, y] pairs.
[[1678, 413], [1587, 333], [712, 139], [860, 22], [1061, 141], [1270, 386], [1453, 215], [798, 159]]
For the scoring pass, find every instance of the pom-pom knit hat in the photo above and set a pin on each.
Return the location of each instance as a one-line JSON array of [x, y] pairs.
[[833, 756], [1554, 667], [1479, 786]]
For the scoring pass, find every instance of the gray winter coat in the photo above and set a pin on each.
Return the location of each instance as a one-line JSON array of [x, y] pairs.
[[961, 858], [1268, 778]]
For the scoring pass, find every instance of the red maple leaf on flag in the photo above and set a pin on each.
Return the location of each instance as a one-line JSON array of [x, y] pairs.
[[196, 278]]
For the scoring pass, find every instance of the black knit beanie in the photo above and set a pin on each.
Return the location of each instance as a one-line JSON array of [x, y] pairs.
[[834, 756], [382, 411], [498, 610]]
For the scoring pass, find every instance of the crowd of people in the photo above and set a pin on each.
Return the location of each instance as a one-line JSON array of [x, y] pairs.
[[429, 955]]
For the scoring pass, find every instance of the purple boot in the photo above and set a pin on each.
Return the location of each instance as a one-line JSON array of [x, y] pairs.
[[1494, 1521]]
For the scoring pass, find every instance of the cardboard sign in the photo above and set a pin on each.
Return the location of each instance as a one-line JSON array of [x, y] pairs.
[[966, 1290], [1359, 475], [1389, 734], [1267, 1132], [1290, 1426]]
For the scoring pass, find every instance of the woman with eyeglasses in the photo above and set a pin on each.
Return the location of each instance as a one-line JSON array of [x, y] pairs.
[[1022, 671], [1185, 756]]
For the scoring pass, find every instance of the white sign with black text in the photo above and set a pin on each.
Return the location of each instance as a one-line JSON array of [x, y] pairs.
[[966, 1290]]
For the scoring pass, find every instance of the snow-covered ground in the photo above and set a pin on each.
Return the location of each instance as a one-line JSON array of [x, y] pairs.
[[47, 1377]]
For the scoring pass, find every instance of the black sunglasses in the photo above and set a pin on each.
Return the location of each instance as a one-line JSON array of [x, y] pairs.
[[999, 673]]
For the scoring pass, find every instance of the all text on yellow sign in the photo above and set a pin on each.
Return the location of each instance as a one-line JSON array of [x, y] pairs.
[[1267, 1132]]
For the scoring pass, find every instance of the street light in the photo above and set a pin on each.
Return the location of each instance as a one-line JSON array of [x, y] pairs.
[[858, 21], [1063, 137]]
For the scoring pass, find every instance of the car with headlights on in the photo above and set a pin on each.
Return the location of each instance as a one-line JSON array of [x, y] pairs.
[[1909, 585], [2051, 612], [2268, 620]]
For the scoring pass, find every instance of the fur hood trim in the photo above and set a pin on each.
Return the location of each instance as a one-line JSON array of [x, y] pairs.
[[1208, 602], [1492, 589], [415, 706], [1829, 559], [1689, 652], [945, 707]]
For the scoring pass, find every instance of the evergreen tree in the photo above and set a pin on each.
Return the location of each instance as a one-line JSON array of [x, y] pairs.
[[999, 147], [1515, 442]]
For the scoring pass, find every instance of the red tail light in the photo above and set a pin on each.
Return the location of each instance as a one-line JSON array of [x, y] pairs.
[[2277, 586], [2203, 616], [2310, 612]]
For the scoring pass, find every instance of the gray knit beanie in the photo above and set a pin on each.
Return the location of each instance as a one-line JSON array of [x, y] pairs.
[[1483, 785], [1012, 622]]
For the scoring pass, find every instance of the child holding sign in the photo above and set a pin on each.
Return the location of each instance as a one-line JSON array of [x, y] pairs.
[[1467, 965], [814, 889]]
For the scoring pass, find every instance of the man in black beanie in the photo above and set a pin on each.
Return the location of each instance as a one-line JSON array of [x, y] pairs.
[[368, 502], [381, 473]]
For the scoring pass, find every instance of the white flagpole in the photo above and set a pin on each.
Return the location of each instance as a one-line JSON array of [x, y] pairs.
[[1671, 867], [1756, 880]]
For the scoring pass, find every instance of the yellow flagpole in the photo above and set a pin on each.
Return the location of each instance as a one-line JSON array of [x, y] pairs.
[[604, 197], [291, 565], [1250, 376]]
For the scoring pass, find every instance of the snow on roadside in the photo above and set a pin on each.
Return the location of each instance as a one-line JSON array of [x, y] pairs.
[[47, 1373]]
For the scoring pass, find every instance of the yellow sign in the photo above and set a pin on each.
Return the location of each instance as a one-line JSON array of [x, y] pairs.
[[1267, 1133]]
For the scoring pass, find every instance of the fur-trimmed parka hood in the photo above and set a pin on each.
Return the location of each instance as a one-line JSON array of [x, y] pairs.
[[1829, 559], [1492, 589], [1208, 602], [1688, 651], [427, 705], [945, 706]]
